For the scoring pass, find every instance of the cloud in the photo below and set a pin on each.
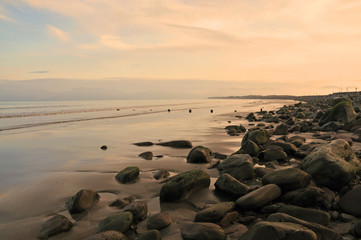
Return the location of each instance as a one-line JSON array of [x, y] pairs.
[[58, 33]]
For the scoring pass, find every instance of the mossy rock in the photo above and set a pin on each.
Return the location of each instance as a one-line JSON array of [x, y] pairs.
[[257, 136], [341, 112], [120, 222], [128, 174]]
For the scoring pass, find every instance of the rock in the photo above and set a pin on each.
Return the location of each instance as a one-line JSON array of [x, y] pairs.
[[82, 201], [215, 213], [231, 186], [161, 173], [108, 235], [128, 174], [229, 219], [239, 166], [159, 221], [272, 208], [204, 231], [120, 222], [323, 233], [121, 202], [199, 154], [181, 185], [143, 144], [235, 231], [138, 209], [332, 165], [150, 235], [257, 136], [298, 141], [357, 228], [350, 202], [104, 147], [286, 146], [146, 155], [288, 179], [341, 112], [250, 148], [54, 226], [337, 100], [306, 197], [281, 129], [259, 197], [300, 115], [319, 115], [275, 154], [251, 117], [277, 231], [307, 214], [177, 144], [332, 126], [261, 171]]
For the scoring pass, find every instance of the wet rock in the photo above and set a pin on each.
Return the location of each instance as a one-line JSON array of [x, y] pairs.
[[275, 154], [161, 173], [281, 129], [54, 226], [257, 136], [204, 231], [272, 208], [104, 147], [307, 214], [150, 235], [331, 126], [259, 197], [146, 155], [278, 231], [350, 202], [341, 112], [306, 197], [82, 201], [231, 186], [159, 221], [286, 146], [143, 144], [332, 165], [300, 115], [121, 202], [128, 174], [218, 155], [235, 231], [199, 154], [181, 185], [138, 209], [261, 171], [298, 141], [357, 228], [250, 148], [229, 219], [214, 213], [288, 179], [108, 235], [240, 166], [177, 144], [120, 222]]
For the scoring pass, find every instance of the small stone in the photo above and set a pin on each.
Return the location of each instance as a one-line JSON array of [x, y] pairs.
[[214, 213], [143, 144], [82, 201], [159, 221], [146, 155], [104, 147], [138, 209], [230, 218], [161, 173], [199, 154], [54, 226], [127, 174], [120, 222]]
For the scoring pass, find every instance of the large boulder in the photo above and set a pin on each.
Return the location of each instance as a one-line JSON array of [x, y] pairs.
[[277, 231], [181, 185], [341, 112], [204, 231], [288, 179], [249, 147], [231, 186], [240, 166], [274, 154], [177, 144], [54, 226], [128, 174], [82, 201], [120, 222], [306, 197], [350, 202], [260, 136], [307, 214], [259, 197], [332, 165], [199, 154], [214, 213]]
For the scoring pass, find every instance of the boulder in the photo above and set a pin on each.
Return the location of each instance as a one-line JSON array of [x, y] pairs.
[[240, 166], [332, 165], [341, 112], [286, 146], [307, 214], [277, 231], [261, 171], [350, 202], [199, 154], [108, 235], [159, 221], [274, 154], [181, 185], [138, 209], [281, 129], [250, 148], [120, 222], [214, 213], [177, 144], [331, 126], [146, 155], [121, 202], [298, 141], [306, 197], [161, 173], [82, 201], [128, 174], [259, 197], [54, 226], [204, 231], [150, 235], [231, 186], [257, 136], [288, 179], [235, 231]]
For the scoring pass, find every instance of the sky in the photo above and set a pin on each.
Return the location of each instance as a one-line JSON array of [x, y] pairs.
[[261, 46]]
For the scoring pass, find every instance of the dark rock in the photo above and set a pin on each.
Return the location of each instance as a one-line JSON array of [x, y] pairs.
[[54, 226], [357, 228], [177, 144], [159, 221], [272, 208], [257, 136], [120, 222], [218, 155], [82, 201], [275, 154], [108, 235], [150, 235], [143, 144], [331, 126], [277, 231], [288, 179], [341, 112], [161, 173], [350, 202], [121, 202], [332, 165], [319, 115], [204, 231], [128, 174], [298, 141], [261, 171], [250, 148], [146, 155], [306, 197], [259, 197], [286, 146], [251, 117], [229, 219], [240, 166], [300, 115], [199, 154], [281, 129], [181, 185], [104, 147], [214, 213], [228, 184], [138, 209], [307, 214], [234, 232]]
